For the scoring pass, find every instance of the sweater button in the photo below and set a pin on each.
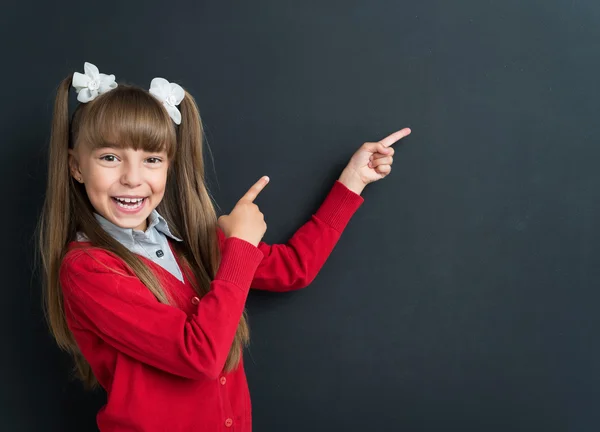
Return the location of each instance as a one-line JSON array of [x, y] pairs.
[[223, 380], [159, 253], [195, 300], [228, 422]]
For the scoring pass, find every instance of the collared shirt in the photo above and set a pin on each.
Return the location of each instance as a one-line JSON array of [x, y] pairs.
[[152, 243]]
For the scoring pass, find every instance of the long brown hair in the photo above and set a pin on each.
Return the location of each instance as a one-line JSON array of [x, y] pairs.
[[133, 118]]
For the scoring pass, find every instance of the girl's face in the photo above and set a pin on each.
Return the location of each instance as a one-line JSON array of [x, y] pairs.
[[113, 176]]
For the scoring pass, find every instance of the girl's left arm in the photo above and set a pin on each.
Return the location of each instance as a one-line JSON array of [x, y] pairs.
[[295, 264]]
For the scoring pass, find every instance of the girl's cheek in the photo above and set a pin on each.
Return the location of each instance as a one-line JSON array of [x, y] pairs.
[[161, 183]]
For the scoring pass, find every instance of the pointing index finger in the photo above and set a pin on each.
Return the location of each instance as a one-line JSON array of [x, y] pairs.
[[255, 189], [391, 139]]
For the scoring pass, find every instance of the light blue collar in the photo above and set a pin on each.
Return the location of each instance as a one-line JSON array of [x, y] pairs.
[[126, 235]]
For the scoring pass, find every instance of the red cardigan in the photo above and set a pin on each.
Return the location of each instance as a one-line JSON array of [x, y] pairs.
[[161, 365]]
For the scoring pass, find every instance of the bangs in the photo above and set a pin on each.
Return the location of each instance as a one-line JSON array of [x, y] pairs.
[[126, 117]]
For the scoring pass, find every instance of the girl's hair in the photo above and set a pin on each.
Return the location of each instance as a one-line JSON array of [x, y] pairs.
[[129, 117]]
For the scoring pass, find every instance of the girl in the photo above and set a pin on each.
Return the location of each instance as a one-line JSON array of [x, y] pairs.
[[144, 286]]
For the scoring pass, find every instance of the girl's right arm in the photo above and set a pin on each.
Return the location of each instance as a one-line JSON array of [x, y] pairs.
[[121, 311], [295, 264]]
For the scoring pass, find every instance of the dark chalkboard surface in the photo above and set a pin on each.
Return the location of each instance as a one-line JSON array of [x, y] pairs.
[[462, 295]]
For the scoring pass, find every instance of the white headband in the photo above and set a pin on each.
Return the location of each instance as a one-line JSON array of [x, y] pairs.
[[93, 83]]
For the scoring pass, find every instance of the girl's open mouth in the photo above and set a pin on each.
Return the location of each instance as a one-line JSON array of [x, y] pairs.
[[129, 205]]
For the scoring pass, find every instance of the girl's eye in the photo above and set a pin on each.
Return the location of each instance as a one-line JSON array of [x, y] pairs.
[[108, 156], [156, 160]]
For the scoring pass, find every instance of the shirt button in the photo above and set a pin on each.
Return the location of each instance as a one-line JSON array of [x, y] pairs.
[[195, 300], [228, 422], [223, 380], [159, 253]]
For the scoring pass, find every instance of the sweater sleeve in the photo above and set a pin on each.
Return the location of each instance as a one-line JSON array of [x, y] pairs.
[[121, 311], [295, 264]]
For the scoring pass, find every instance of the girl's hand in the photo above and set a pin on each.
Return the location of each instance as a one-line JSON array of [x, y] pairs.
[[246, 220], [371, 162]]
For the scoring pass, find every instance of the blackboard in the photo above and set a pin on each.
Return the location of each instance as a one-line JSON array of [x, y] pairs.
[[462, 294]]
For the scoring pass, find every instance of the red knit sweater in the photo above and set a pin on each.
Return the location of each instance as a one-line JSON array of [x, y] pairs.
[[162, 365]]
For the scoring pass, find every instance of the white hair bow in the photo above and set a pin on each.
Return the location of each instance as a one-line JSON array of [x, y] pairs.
[[170, 94], [92, 83]]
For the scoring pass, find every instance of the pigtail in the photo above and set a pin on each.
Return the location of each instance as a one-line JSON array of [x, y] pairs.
[[55, 221], [188, 170], [56, 228], [195, 209]]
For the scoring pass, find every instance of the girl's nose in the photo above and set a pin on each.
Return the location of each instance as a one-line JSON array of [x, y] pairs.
[[131, 177]]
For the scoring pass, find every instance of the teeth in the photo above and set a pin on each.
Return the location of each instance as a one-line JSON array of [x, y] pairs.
[[130, 205], [131, 200]]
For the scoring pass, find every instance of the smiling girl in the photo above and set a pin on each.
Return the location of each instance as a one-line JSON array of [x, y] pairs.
[[144, 285]]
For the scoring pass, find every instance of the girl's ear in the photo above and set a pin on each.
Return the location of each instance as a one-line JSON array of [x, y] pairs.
[[74, 166]]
